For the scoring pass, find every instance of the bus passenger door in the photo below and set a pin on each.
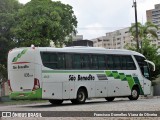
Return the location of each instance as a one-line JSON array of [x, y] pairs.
[[146, 81]]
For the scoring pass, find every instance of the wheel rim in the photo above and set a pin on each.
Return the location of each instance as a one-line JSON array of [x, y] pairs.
[[134, 93], [81, 96]]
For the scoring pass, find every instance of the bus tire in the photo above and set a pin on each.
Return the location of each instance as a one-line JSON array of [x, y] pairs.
[[56, 102], [81, 96], [110, 99], [134, 93]]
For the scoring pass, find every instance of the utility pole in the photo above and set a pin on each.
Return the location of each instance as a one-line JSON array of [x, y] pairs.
[[136, 23]]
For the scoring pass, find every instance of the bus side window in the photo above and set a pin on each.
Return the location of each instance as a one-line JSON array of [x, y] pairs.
[[85, 61], [49, 59], [76, 61], [117, 62], [110, 62], [130, 63], [94, 62], [141, 63], [101, 62], [68, 60], [61, 61], [123, 63], [45, 57], [53, 62]]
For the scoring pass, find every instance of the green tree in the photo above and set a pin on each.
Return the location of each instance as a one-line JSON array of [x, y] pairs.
[[8, 9], [146, 34], [42, 21], [143, 31]]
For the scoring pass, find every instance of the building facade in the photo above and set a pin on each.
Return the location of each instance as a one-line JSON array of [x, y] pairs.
[[153, 16], [118, 39]]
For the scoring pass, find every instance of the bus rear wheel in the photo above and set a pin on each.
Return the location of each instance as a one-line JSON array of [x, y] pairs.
[[81, 97], [56, 102], [110, 99], [134, 94]]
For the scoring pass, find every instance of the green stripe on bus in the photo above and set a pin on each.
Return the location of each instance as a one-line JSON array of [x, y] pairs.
[[15, 59], [129, 78], [130, 81], [37, 94], [115, 75], [122, 76], [109, 73], [137, 82], [24, 51]]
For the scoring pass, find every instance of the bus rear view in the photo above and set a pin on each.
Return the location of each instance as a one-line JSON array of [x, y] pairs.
[[21, 74]]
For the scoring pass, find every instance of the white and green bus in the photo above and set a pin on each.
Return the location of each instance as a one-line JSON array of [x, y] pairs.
[[77, 73]]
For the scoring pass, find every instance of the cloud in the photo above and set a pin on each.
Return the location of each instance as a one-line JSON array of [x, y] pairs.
[[106, 15], [24, 1], [92, 30]]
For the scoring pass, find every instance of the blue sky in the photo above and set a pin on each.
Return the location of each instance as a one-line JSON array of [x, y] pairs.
[[96, 17]]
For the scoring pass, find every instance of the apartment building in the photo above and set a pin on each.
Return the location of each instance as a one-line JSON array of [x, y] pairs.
[[102, 42], [115, 40], [153, 16]]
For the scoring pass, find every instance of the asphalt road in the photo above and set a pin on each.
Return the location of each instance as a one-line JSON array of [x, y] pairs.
[[119, 104]]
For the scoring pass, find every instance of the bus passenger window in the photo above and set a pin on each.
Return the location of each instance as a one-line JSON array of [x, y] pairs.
[[68, 60], [101, 62], [117, 65], [85, 61], [76, 61], [94, 62], [49, 59], [130, 63], [61, 61], [110, 62], [123, 63]]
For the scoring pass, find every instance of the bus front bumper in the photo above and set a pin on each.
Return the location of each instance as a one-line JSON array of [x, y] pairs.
[[30, 95]]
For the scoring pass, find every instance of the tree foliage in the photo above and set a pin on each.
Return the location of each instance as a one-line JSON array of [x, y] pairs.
[[147, 49], [42, 21], [144, 30], [8, 9]]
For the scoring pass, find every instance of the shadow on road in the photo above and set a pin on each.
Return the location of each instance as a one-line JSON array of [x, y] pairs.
[[70, 104]]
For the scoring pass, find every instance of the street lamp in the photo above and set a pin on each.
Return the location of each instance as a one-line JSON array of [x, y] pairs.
[[136, 23]]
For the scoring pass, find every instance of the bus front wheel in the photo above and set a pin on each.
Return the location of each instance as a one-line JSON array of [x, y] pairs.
[[56, 102], [134, 94]]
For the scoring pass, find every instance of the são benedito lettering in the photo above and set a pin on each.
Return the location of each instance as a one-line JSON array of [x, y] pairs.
[[89, 77]]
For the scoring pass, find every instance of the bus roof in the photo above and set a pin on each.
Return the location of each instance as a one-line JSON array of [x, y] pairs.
[[84, 49]]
